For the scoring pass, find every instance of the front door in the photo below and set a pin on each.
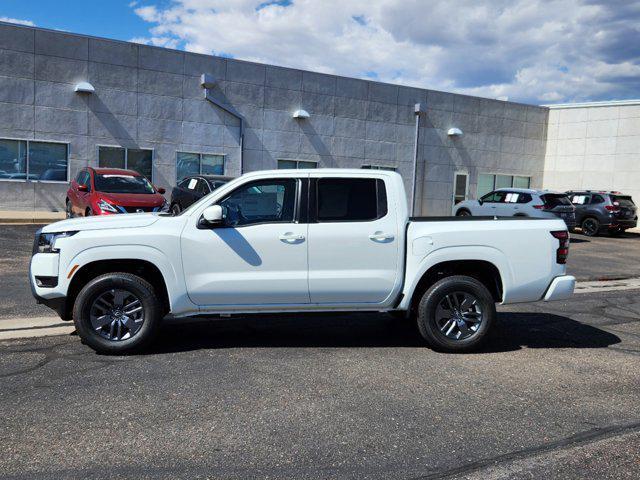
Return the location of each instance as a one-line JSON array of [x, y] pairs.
[[259, 255], [353, 240]]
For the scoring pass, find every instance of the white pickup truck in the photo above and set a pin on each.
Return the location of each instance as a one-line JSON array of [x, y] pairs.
[[296, 241]]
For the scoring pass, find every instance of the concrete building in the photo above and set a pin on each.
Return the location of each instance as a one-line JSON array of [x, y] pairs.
[[68, 101], [594, 146]]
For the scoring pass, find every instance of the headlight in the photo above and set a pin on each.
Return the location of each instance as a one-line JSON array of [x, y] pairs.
[[46, 242], [106, 206]]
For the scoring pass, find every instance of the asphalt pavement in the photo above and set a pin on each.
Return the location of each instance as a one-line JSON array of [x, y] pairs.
[[553, 395]]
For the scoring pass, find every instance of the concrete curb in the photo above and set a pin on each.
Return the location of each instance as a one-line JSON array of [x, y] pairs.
[[31, 216], [34, 327]]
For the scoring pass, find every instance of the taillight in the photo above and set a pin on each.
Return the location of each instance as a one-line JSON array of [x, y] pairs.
[[563, 250], [538, 207], [612, 208]]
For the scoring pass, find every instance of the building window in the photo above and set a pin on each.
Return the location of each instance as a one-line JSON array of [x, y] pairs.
[[488, 182], [460, 187], [295, 164], [188, 164], [33, 160], [135, 159], [379, 167]]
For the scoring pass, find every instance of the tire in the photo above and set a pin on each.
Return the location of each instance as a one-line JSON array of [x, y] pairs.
[[135, 330], [590, 226], [463, 213], [175, 209], [68, 209], [88, 213], [434, 322]]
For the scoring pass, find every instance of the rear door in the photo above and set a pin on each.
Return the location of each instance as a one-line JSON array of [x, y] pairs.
[[353, 240], [581, 201]]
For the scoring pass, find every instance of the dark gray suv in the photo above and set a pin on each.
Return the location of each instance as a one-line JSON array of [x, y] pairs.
[[600, 211]]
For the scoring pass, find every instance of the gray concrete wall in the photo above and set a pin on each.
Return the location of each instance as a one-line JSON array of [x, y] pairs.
[[149, 97], [594, 147]]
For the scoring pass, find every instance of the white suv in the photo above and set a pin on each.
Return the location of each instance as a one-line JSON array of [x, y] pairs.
[[520, 202]]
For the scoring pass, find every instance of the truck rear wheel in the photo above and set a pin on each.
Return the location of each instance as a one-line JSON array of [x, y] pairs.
[[117, 313], [456, 313]]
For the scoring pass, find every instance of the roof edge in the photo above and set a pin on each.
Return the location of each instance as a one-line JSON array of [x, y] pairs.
[[607, 103]]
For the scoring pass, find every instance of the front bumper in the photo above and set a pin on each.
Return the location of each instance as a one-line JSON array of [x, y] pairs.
[[561, 288], [46, 265]]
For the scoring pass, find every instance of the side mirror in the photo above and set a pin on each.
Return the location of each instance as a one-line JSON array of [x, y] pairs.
[[82, 188], [213, 214], [161, 191], [480, 202]]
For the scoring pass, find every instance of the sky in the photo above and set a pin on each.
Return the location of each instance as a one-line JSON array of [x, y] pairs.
[[532, 51]]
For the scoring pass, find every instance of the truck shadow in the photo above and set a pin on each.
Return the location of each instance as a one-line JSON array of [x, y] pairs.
[[513, 332]]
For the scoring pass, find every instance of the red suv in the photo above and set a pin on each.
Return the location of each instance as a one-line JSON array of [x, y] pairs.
[[105, 191]]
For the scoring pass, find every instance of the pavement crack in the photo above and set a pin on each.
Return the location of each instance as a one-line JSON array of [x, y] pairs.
[[578, 439]]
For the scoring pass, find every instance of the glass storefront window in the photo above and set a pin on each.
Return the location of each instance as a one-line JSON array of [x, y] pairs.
[[489, 182], [13, 159], [212, 164], [112, 157], [140, 161], [135, 159], [188, 164], [295, 164], [33, 160]]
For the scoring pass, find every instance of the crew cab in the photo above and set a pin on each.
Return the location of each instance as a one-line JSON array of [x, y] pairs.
[[322, 240]]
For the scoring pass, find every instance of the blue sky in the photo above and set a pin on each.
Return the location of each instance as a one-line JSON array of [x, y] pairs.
[[536, 51]]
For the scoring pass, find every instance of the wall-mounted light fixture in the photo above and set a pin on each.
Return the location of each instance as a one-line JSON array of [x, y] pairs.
[[301, 114], [455, 132], [84, 87]]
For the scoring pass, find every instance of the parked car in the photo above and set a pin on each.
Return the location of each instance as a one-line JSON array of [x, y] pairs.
[[191, 189], [105, 191], [296, 241], [599, 211], [520, 202]]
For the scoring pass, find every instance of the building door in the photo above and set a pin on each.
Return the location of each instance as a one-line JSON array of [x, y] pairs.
[[460, 187]]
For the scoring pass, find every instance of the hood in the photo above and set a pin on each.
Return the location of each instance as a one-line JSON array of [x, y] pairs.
[[133, 199], [102, 222]]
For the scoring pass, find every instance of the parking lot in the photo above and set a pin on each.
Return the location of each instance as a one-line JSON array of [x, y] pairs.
[[552, 395]]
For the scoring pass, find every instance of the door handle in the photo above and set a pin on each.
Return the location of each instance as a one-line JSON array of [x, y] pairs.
[[291, 237], [381, 236]]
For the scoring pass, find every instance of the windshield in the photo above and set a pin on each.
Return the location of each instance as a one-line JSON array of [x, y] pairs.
[[112, 183]]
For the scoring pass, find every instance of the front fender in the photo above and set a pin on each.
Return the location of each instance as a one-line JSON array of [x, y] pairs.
[[178, 299], [416, 268]]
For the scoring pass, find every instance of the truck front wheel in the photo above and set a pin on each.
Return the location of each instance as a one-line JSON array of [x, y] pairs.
[[456, 313], [117, 313]]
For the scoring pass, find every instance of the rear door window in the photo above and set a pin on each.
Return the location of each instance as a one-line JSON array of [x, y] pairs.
[[597, 199], [580, 199], [351, 199]]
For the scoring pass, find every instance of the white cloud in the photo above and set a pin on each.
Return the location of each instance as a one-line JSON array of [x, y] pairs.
[[526, 50], [28, 23]]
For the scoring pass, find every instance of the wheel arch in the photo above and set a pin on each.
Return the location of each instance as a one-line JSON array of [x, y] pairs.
[[485, 271], [142, 268]]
